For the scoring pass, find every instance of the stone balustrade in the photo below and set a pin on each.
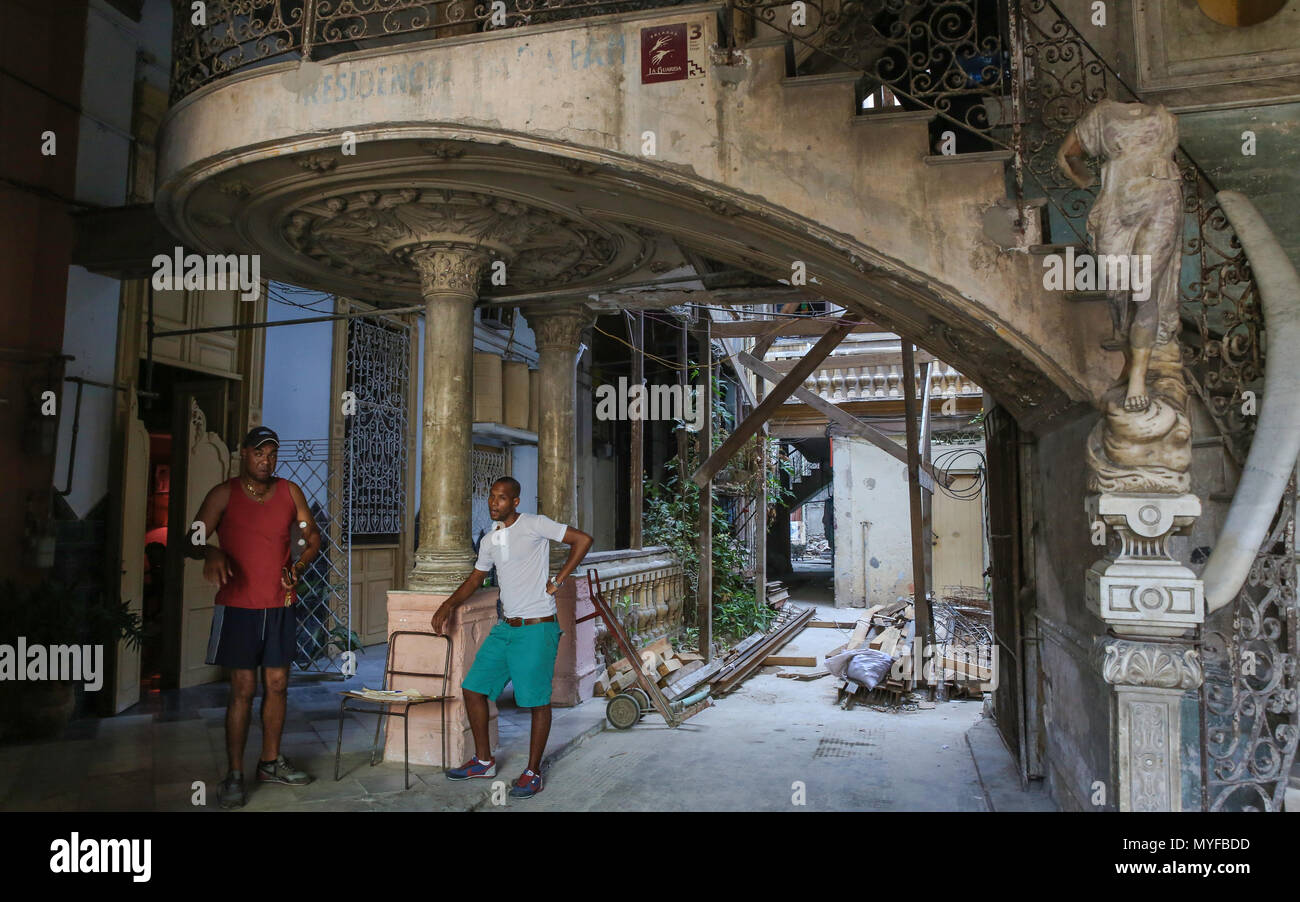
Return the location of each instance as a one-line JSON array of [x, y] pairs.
[[646, 588], [874, 382]]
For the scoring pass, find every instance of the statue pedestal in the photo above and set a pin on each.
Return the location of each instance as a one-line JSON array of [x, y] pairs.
[[1141, 590], [468, 626], [1153, 605]]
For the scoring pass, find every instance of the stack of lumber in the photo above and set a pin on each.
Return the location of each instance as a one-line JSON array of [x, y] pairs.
[[777, 594], [888, 628], [658, 662]]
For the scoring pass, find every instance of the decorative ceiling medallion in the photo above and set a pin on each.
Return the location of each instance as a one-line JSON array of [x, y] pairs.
[[371, 235]]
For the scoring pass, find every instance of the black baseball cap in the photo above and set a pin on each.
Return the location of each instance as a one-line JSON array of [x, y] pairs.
[[259, 436]]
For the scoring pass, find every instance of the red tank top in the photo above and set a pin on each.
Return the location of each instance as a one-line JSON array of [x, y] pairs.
[[255, 538]]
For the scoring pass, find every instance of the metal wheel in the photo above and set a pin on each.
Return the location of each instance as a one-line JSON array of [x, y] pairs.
[[622, 711], [642, 698]]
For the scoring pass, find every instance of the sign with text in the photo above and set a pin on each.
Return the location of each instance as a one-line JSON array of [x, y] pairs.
[[666, 52]]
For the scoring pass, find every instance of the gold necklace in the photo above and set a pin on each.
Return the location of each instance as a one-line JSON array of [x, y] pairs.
[[260, 499]]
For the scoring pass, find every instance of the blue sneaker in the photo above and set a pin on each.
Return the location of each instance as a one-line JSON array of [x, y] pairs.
[[474, 768], [528, 785]]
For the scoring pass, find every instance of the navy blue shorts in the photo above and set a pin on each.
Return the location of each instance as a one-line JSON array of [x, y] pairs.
[[244, 638]]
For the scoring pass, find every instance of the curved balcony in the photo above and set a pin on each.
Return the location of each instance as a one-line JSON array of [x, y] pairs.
[[242, 34]]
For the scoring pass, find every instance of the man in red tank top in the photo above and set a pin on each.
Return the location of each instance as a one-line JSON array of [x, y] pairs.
[[255, 622]]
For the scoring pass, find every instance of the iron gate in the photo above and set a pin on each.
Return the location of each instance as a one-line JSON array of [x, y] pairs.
[[325, 590]]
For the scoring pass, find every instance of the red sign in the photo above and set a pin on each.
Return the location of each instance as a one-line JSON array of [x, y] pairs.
[[663, 53]]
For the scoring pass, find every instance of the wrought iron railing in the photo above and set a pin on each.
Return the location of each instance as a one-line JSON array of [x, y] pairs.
[[239, 34]]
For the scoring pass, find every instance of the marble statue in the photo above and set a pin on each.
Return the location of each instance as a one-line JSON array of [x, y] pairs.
[[1143, 444]]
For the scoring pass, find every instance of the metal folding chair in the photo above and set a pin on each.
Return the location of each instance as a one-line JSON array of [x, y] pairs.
[[384, 708]]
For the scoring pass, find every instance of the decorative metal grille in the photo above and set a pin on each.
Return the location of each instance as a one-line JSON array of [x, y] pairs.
[[1249, 697], [378, 374], [325, 590], [485, 468]]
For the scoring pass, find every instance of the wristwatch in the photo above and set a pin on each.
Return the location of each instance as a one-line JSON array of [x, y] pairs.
[[557, 583]]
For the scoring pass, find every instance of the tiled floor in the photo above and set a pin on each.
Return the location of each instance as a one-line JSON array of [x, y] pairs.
[[168, 752]]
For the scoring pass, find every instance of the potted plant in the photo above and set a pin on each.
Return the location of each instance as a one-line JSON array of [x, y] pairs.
[[46, 614]]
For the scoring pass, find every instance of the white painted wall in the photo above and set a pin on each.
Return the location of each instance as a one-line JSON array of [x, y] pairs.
[[873, 540]]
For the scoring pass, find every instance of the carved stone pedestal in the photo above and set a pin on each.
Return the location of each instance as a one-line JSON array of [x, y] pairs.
[[1142, 590], [1153, 605]]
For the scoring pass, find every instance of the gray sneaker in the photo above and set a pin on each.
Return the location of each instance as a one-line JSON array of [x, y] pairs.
[[231, 792], [281, 771]]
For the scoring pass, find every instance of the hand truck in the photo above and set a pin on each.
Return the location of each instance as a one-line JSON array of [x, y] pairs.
[[624, 710]]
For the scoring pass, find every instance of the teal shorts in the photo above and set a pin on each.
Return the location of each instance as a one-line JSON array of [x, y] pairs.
[[523, 655]]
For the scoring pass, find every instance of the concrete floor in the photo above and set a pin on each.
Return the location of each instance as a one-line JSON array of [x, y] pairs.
[[757, 746], [771, 745]]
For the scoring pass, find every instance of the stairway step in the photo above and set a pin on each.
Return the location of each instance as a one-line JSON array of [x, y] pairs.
[[983, 156], [1079, 296], [887, 117], [1042, 250], [830, 78]]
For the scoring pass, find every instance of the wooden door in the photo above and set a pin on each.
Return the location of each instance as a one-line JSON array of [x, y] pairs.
[[959, 538], [200, 460], [135, 496]]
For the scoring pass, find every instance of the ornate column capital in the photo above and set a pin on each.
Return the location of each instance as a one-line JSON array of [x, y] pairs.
[[448, 268], [559, 328]]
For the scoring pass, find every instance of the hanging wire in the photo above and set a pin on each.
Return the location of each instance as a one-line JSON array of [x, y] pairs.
[[947, 461]]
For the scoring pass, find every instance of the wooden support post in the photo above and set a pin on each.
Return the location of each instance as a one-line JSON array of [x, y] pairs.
[[683, 380], [927, 498], [704, 602], [760, 524], [921, 603], [636, 331], [763, 412]]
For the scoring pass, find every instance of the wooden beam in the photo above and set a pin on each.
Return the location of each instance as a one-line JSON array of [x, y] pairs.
[[927, 500], [809, 327], [704, 599], [847, 420], [768, 335], [754, 422], [636, 331], [861, 358], [920, 602]]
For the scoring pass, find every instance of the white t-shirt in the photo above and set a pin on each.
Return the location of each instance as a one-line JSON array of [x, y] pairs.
[[521, 553]]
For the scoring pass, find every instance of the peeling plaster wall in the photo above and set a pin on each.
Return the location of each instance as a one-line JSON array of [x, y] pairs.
[[873, 563]]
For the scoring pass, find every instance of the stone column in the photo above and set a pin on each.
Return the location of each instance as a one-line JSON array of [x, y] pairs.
[[558, 331], [449, 278], [1153, 606]]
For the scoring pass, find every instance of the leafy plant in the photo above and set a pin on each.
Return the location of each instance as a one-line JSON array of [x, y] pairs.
[[52, 612], [672, 516]]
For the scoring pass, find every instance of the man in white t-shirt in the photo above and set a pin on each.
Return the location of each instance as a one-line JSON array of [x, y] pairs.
[[520, 649]]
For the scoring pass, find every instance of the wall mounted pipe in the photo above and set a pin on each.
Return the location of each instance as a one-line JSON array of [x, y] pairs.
[[1277, 434]]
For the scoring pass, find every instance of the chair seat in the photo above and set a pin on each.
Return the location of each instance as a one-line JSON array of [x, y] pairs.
[[393, 701]]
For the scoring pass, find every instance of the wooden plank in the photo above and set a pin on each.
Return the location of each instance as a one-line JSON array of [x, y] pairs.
[[771, 403], [687, 657], [847, 420], [886, 641], [704, 581], [789, 661], [919, 538], [804, 327], [834, 624], [804, 677]]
